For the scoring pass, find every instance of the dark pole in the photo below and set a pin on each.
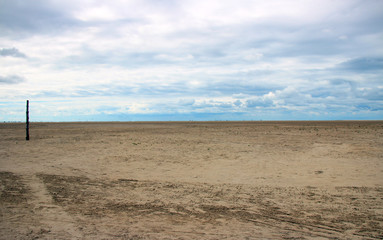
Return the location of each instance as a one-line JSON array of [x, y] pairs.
[[27, 127]]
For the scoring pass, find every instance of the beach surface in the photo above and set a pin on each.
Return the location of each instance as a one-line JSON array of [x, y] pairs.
[[192, 180]]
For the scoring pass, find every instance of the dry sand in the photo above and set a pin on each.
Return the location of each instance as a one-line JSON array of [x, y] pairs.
[[192, 180]]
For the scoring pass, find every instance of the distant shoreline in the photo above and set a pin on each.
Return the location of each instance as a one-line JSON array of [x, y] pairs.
[[202, 122]]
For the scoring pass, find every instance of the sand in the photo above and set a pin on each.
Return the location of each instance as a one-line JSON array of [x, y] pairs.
[[192, 180]]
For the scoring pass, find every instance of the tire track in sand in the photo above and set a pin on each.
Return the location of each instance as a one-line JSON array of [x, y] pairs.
[[60, 223]]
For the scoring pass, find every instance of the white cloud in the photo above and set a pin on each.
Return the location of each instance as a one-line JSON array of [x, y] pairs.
[[99, 13], [172, 58]]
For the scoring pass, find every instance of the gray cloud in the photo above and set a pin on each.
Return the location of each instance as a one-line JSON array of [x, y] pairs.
[[372, 94], [259, 102], [11, 79], [20, 18], [12, 52], [363, 64]]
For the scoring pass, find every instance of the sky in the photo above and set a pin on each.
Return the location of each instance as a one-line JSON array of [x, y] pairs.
[[182, 60]]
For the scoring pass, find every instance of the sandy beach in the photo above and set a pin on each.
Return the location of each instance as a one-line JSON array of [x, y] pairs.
[[192, 180]]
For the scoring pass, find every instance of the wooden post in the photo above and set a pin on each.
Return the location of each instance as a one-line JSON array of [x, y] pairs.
[[27, 126]]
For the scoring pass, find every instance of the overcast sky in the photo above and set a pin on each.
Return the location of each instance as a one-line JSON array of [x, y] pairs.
[[81, 60]]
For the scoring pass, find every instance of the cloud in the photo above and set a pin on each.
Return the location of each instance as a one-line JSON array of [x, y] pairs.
[[12, 52], [11, 79], [260, 102], [364, 64], [186, 102], [272, 58], [368, 93], [20, 18]]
